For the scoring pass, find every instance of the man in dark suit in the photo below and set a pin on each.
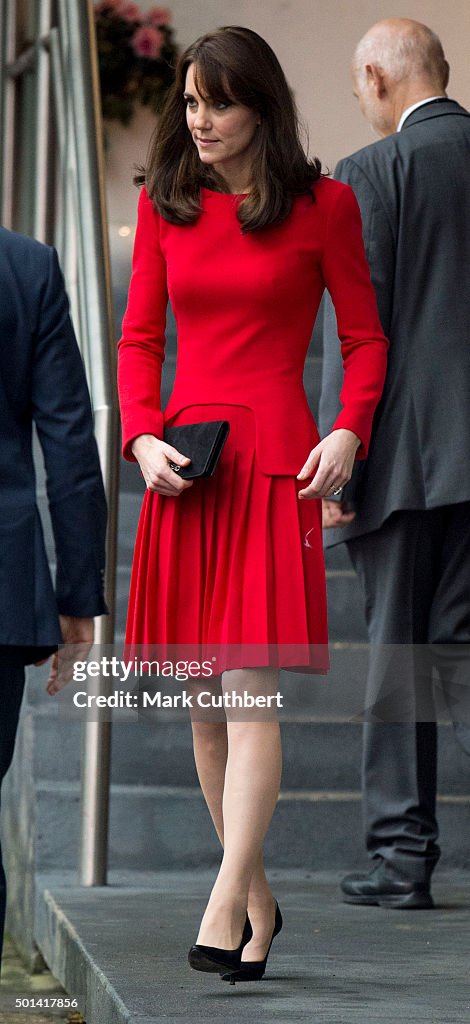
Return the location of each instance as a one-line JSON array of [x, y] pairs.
[[405, 515], [42, 381]]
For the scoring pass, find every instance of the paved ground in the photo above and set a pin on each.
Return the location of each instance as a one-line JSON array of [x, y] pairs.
[[16, 983], [331, 963]]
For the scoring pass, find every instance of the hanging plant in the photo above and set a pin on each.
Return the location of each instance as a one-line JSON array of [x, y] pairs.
[[137, 57]]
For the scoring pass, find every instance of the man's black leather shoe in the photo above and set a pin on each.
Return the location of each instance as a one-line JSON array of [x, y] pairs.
[[385, 887]]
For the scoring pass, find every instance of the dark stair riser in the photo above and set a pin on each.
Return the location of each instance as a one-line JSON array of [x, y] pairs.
[[316, 755], [152, 829]]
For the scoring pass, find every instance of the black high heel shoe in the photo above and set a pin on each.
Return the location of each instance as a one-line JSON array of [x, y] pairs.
[[214, 959], [253, 970]]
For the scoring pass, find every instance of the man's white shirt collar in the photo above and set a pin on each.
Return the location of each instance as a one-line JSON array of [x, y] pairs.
[[409, 110]]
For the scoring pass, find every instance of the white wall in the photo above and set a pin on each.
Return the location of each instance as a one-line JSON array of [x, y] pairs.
[[314, 40]]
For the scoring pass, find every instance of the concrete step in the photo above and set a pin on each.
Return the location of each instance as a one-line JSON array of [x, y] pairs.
[[153, 827], [331, 963], [316, 754]]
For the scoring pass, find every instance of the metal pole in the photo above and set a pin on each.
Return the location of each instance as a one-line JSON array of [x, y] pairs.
[[8, 113], [2, 87], [77, 26], [42, 148], [61, 126]]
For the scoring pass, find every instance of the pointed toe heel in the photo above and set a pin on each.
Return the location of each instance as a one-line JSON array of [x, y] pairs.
[[253, 970], [215, 959]]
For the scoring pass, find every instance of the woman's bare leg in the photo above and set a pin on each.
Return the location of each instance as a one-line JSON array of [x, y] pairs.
[[210, 756], [250, 792], [262, 912]]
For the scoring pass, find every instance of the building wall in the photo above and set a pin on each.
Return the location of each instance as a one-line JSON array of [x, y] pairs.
[[314, 40]]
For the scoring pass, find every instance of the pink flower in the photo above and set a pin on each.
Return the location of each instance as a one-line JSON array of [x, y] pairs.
[[159, 16], [147, 42], [129, 12]]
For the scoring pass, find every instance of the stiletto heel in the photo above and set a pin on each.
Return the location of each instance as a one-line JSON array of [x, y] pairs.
[[215, 959], [253, 970]]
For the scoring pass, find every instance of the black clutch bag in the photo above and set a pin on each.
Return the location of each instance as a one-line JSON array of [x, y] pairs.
[[201, 442]]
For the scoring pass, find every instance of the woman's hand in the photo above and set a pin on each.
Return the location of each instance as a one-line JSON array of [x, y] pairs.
[[154, 457], [332, 462]]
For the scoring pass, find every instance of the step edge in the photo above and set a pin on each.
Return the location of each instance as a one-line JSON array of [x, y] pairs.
[[87, 958], [193, 792]]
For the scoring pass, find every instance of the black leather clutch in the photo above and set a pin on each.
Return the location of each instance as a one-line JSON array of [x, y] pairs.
[[201, 442]]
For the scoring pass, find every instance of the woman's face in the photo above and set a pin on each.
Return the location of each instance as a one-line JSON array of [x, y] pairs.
[[222, 132]]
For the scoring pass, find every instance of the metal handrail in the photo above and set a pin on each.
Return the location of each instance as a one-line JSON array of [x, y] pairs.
[[42, 149], [8, 109], [65, 65]]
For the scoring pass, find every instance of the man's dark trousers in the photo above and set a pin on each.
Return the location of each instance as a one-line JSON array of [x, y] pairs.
[[12, 677], [427, 603]]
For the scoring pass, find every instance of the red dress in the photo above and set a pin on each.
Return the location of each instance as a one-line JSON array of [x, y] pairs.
[[233, 567]]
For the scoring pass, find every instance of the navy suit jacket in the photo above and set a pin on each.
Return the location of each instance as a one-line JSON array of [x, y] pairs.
[[42, 380], [413, 189]]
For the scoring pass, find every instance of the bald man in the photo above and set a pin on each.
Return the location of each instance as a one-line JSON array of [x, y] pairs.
[[405, 515]]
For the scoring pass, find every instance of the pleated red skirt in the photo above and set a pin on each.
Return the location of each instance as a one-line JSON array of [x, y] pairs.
[[233, 567]]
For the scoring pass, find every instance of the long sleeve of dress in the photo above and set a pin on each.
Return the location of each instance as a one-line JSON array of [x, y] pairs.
[[363, 343], [141, 347]]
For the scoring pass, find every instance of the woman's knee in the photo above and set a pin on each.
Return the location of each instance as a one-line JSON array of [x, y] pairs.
[[251, 694]]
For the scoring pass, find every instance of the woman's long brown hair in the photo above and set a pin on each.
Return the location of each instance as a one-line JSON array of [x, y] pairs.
[[231, 64]]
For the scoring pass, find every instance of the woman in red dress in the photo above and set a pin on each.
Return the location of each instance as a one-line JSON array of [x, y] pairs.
[[242, 232]]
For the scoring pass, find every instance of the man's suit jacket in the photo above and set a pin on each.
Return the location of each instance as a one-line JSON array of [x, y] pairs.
[[42, 379], [413, 190]]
